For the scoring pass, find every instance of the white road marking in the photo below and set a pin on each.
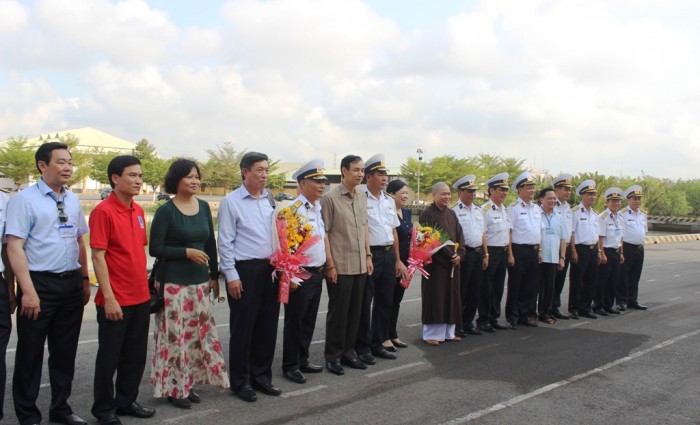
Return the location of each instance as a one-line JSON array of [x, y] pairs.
[[304, 391], [670, 264], [413, 325], [320, 341], [547, 388], [464, 353], [674, 299], [394, 369], [191, 416], [575, 325], [651, 280]]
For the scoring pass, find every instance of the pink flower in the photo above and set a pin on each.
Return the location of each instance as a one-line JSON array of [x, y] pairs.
[[188, 305], [215, 370], [173, 289], [188, 335], [216, 346]]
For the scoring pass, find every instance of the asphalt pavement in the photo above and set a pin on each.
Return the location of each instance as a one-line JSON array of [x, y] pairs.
[[637, 368]]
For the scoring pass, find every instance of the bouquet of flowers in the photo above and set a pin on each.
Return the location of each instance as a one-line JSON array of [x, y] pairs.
[[425, 241], [295, 238]]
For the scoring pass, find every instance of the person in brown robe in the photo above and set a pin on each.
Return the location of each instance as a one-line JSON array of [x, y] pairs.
[[441, 309]]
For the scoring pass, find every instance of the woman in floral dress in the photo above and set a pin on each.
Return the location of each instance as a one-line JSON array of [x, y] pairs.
[[186, 349]]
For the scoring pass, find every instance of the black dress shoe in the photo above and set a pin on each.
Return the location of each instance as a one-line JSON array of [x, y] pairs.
[[600, 312], [295, 375], [589, 315], [495, 325], [267, 389], [637, 306], [136, 410], [460, 333], [180, 403], [487, 327], [367, 358], [612, 310], [512, 326], [472, 330], [310, 368], [383, 354], [71, 419], [622, 306], [110, 420], [246, 393], [398, 343], [194, 397], [574, 315], [391, 349], [335, 367], [353, 363], [559, 315]]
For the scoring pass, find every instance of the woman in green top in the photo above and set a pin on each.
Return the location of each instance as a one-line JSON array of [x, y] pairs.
[[186, 347]]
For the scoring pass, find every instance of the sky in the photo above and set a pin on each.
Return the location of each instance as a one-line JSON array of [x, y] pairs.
[[607, 86]]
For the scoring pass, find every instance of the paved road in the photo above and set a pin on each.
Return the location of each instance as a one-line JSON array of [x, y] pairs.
[[637, 368]]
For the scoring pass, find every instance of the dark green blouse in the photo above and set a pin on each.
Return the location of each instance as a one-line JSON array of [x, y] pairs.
[[172, 232]]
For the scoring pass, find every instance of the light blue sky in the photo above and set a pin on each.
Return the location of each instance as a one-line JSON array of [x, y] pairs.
[[569, 86]]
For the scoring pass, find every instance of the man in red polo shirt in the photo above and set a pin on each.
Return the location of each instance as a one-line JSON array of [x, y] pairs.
[[117, 240]]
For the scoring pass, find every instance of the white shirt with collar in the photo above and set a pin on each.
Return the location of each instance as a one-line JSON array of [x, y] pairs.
[[381, 218], [317, 252], [497, 224], [585, 226], [526, 221], [567, 214], [636, 228], [611, 228], [473, 224]]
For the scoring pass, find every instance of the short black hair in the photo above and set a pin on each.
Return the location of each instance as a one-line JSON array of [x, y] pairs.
[[346, 161], [45, 151], [118, 164], [180, 168], [544, 191], [251, 158], [395, 185]]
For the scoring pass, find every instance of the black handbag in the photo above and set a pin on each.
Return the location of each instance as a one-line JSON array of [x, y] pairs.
[[157, 301]]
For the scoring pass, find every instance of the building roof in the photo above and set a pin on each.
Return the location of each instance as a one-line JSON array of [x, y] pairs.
[[89, 138]]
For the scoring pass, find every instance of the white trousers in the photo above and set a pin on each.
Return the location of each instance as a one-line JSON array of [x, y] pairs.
[[439, 331]]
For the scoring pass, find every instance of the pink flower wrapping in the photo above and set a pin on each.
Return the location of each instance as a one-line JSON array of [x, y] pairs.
[[289, 264]]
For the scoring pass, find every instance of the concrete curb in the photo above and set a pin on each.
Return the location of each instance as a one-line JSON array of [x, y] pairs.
[[651, 240]]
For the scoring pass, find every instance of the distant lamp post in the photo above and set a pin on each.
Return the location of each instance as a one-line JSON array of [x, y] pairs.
[[419, 151]]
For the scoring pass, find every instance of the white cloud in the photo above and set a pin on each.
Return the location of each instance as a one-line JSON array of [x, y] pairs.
[[13, 17], [201, 42]]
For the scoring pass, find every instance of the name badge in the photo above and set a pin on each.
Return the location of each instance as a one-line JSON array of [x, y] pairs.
[[141, 222], [618, 232], [497, 218], [67, 231], [549, 231]]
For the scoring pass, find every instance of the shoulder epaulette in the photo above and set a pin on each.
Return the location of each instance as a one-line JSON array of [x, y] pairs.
[[295, 206], [643, 211], [513, 204], [603, 215], [486, 207], [624, 210], [594, 211]]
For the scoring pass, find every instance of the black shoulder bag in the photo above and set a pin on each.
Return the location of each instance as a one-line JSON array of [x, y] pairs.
[[157, 301]]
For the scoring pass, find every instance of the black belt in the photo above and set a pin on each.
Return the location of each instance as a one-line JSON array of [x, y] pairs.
[[611, 250], [62, 275], [584, 246], [470, 249], [253, 261], [312, 270], [381, 248], [634, 245], [504, 248], [522, 245]]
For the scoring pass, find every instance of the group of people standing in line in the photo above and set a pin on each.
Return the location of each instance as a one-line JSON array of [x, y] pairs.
[[362, 253]]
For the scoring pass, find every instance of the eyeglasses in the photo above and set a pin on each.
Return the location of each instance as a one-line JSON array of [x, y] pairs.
[[62, 216]]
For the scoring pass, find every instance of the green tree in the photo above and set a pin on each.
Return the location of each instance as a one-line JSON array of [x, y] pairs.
[[81, 159], [691, 188], [99, 160], [277, 181], [17, 160], [222, 168], [145, 150], [154, 171]]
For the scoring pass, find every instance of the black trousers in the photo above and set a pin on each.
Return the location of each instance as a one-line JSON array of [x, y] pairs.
[[560, 281], [628, 291], [492, 286], [61, 302], [300, 321], [548, 276], [395, 307], [583, 278], [253, 320], [377, 302], [5, 330], [608, 277], [343, 318], [123, 346], [522, 283], [470, 278]]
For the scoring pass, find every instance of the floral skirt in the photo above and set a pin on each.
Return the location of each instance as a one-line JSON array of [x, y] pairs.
[[186, 349]]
